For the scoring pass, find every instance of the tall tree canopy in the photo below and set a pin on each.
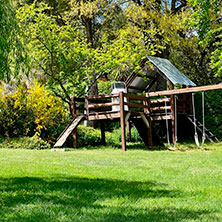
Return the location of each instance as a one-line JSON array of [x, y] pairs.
[[12, 56], [74, 41]]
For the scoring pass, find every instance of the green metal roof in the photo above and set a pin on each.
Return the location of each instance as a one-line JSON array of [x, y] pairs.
[[170, 71]]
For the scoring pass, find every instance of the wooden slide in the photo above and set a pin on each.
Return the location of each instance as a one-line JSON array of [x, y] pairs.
[[68, 130], [142, 129]]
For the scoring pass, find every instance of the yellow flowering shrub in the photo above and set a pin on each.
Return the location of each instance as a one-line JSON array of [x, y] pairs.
[[26, 112], [49, 112]]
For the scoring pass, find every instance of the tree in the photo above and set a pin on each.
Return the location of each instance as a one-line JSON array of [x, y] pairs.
[[12, 56], [59, 54], [206, 20]]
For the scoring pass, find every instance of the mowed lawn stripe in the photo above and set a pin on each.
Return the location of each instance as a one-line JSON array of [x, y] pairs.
[[111, 185]]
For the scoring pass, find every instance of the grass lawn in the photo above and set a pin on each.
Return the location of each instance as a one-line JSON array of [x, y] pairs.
[[110, 185]]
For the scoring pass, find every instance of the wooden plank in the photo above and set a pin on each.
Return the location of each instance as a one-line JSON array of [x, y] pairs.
[[152, 101], [161, 117], [136, 105], [103, 96], [145, 120], [160, 108], [97, 116], [128, 127], [187, 90], [172, 104], [87, 106], [62, 138], [127, 116], [103, 133], [93, 106], [122, 121], [136, 97]]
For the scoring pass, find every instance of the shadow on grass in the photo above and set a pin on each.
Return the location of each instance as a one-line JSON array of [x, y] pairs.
[[82, 199]]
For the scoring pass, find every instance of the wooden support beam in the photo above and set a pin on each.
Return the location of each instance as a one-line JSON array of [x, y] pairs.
[[122, 121], [87, 106], [150, 133], [103, 133], [128, 126], [136, 105], [172, 104], [186, 90], [74, 133]]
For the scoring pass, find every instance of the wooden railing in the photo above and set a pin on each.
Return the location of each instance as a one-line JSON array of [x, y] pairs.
[[104, 104], [158, 108]]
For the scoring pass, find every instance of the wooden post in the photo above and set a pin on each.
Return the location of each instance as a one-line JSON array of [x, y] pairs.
[[128, 126], [150, 133], [87, 106], [172, 104], [122, 121], [74, 133], [103, 133]]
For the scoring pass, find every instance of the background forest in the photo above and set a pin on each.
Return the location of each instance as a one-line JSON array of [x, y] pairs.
[[51, 50]]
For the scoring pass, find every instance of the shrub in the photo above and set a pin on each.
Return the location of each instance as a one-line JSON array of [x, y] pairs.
[[213, 113], [88, 136], [16, 118], [34, 142], [27, 112], [49, 113], [104, 87], [115, 136]]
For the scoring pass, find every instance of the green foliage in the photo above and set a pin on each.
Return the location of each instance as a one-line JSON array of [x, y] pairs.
[[12, 55], [114, 137], [104, 87], [59, 55], [206, 20], [213, 113], [33, 142], [16, 118], [26, 112], [88, 136]]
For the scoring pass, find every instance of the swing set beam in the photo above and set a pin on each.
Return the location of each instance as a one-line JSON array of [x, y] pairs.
[[185, 90]]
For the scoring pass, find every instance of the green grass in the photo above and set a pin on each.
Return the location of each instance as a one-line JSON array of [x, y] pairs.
[[110, 185]]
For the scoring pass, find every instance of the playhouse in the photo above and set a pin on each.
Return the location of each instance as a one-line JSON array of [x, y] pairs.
[[127, 105]]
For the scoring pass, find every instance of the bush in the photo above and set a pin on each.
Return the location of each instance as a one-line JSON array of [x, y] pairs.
[[104, 87], [213, 113], [115, 136], [34, 142], [88, 136], [27, 112]]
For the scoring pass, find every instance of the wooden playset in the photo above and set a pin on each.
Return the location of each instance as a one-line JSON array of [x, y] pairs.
[[130, 108]]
